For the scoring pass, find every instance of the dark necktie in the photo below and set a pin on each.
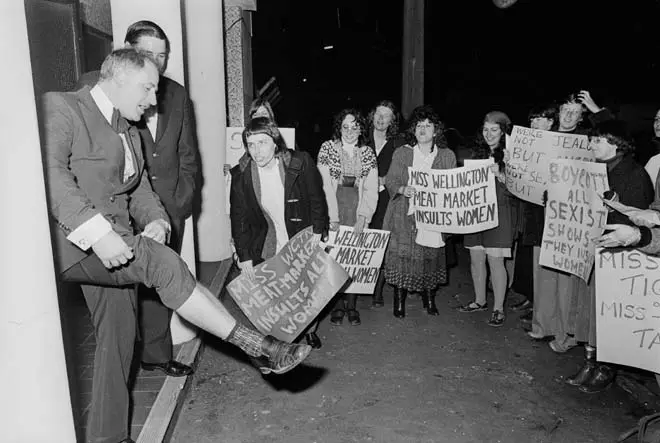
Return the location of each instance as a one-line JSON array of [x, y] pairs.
[[121, 126]]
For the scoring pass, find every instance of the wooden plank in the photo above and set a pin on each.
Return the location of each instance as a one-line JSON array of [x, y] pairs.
[[162, 417], [162, 411]]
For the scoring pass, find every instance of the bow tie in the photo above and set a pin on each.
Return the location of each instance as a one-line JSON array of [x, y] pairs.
[[119, 123]]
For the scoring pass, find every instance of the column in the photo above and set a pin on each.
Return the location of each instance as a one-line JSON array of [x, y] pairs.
[[238, 50], [205, 69], [36, 402], [413, 56]]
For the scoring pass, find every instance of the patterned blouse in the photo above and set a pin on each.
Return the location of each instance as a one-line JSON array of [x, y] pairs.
[[342, 164]]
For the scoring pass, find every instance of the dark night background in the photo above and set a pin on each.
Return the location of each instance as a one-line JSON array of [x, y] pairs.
[[477, 58]]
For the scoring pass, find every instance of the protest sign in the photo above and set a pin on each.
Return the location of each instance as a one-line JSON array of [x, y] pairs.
[[234, 143], [459, 200], [291, 288], [574, 215], [361, 256], [529, 153], [628, 308]]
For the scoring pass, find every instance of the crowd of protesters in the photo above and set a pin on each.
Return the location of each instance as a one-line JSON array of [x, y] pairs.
[[364, 175]]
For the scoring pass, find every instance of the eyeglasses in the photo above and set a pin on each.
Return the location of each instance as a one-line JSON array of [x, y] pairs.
[[424, 126], [350, 128]]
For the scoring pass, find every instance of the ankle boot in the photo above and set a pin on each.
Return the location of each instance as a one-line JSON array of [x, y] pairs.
[[428, 299], [586, 372], [602, 378], [280, 357], [399, 308], [377, 301]]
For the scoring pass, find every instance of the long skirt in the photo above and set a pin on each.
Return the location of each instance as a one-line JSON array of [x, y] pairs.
[[408, 265]]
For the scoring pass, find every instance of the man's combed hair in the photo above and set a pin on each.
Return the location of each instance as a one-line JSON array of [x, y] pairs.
[[145, 28], [121, 60]]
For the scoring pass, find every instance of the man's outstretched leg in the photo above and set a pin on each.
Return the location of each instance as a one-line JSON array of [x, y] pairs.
[[159, 267], [205, 311]]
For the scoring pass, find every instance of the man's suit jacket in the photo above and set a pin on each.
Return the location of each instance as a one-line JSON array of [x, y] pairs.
[[172, 159], [84, 160]]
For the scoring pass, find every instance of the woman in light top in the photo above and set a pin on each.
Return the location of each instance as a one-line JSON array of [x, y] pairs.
[[415, 260], [350, 181]]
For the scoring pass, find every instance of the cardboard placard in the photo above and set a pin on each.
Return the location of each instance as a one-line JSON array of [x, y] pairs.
[[574, 215], [628, 308], [460, 200], [529, 153], [360, 255], [291, 288]]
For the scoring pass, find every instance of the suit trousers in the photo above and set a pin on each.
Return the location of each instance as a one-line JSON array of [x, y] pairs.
[[153, 316], [110, 297]]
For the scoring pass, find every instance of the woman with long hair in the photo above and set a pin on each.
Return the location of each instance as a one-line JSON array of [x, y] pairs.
[[492, 245]]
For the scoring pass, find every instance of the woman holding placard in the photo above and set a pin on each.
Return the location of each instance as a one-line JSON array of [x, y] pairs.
[[275, 193], [631, 186], [415, 258], [350, 181], [493, 245]]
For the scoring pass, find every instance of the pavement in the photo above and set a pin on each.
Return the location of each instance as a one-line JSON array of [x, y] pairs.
[[449, 378]]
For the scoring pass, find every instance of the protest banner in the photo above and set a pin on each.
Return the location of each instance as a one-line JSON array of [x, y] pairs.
[[361, 256], [234, 143], [529, 153], [291, 288], [574, 215], [458, 201], [628, 308]]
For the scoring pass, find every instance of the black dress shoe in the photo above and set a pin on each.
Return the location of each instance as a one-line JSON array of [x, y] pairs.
[[172, 368], [585, 374], [602, 378], [313, 340]]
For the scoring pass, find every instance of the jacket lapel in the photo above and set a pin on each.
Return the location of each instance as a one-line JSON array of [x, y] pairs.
[[293, 167], [164, 110]]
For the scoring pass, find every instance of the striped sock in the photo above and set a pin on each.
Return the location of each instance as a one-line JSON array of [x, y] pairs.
[[248, 340]]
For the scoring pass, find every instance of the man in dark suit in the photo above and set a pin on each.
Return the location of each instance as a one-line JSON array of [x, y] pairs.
[[171, 160], [99, 198]]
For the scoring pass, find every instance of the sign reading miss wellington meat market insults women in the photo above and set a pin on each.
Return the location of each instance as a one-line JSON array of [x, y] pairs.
[[459, 200], [628, 308], [291, 288], [574, 215], [360, 255], [529, 153]]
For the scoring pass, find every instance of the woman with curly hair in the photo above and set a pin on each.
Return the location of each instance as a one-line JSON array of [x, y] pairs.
[[350, 181], [415, 258], [492, 245], [384, 138]]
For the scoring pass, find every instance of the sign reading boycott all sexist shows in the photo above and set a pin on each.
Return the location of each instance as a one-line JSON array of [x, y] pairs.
[[234, 143], [574, 215], [291, 288], [459, 200], [628, 308], [360, 255], [529, 153]]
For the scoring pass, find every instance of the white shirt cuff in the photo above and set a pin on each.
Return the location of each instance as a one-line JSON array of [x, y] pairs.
[[87, 234]]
